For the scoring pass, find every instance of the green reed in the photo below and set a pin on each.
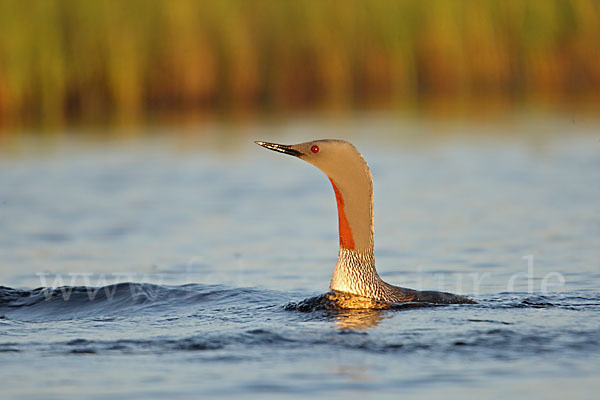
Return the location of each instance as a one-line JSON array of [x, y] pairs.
[[70, 58]]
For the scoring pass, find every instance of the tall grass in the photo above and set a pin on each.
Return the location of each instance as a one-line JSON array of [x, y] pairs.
[[72, 58]]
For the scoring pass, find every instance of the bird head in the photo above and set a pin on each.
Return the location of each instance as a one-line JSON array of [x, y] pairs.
[[338, 159], [351, 179]]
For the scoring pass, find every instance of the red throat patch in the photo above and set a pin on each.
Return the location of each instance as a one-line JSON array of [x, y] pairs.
[[346, 239]]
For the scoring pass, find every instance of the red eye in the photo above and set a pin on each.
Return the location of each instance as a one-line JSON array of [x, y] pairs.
[[314, 149]]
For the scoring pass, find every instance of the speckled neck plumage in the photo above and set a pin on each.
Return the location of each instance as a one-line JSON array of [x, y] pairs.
[[355, 273]]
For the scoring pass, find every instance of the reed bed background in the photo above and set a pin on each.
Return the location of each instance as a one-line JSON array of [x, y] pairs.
[[67, 59]]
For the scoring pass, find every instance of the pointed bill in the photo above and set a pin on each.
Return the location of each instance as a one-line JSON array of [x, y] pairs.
[[282, 148]]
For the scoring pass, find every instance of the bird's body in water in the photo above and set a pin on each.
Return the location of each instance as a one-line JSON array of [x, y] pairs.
[[355, 272]]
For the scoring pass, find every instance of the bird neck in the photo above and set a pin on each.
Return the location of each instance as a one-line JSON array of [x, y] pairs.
[[355, 269]]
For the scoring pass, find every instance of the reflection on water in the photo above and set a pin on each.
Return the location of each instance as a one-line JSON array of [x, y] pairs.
[[358, 319]]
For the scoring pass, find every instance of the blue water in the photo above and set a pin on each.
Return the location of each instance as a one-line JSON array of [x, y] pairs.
[[177, 260]]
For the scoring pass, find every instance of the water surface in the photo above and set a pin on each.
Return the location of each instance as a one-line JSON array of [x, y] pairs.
[[176, 256]]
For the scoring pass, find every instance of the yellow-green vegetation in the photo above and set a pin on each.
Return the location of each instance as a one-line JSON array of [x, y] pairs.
[[73, 58]]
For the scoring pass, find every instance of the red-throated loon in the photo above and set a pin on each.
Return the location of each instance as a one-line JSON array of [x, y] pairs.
[[350, 177]]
